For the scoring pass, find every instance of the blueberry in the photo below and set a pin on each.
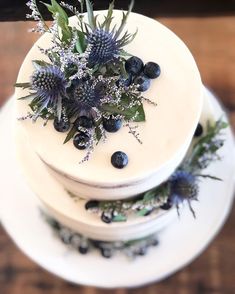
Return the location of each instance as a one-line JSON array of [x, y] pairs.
[[152, 70], [154, 242], [119, 159], [134, 65], [81, 140], [143, 82], [112, 125], [65, 235], [85, 122], [91, 204], [142, 251], [55, 225], [83, 249], [75, 241], [106, 217], [124, 81], [167, 205], [62, 125], [198, 131], [96, 243], [83, 246], [106, 252]]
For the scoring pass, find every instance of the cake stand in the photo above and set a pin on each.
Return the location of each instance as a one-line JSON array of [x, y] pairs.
[[180, 243]]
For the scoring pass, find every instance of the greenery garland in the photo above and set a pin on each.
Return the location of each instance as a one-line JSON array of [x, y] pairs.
[[182, 186]]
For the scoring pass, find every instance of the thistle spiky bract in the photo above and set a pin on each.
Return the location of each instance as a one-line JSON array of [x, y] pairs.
[[47, 88], [106, 44], [103, 47]]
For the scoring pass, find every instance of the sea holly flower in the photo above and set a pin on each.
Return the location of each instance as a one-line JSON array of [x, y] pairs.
[[183, 187], [49, 84], [105, 44], [47, 89], [85, 96]]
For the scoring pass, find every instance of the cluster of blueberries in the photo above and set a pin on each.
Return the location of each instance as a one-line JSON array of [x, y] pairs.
[[139, 74], [119, 159], [106, 249]]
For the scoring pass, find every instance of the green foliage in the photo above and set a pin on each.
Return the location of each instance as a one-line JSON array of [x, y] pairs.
[[39, 63], [81, 42], [22, 85], [90, 13], [206, 146], [145, 203], [62, 20], [71, 133], [135, 113]]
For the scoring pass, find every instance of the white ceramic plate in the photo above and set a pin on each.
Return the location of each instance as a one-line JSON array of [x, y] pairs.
[[180, 243]]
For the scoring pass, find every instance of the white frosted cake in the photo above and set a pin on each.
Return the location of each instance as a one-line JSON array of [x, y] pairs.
[[84, 188]]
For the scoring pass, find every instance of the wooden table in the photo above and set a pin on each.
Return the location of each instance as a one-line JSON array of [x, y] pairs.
[[212, 41]]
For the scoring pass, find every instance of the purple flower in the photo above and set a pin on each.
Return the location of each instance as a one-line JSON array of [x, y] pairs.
[[86, 95], [183, 186], [103, 47], [49, 85]]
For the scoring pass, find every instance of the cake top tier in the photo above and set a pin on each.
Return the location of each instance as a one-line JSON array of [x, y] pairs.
[[165, 134]]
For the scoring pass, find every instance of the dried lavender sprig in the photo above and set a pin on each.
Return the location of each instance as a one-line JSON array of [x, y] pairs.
[[36, 15], [133, 131]]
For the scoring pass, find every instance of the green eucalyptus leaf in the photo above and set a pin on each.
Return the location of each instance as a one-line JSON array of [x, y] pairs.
[[56, 8], [141, 114], [22, 85], [91, 18], [119, 218], [123, 70], [61, 18], [128, 113], [149, 195], [71, 134], [98, 132], [40, 63], [142, 212], [81, 42]]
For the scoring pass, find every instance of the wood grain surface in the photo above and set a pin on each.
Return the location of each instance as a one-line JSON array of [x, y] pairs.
[[212, 41]]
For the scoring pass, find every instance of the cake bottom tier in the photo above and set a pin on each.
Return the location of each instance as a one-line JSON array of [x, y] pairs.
[[85, 245]]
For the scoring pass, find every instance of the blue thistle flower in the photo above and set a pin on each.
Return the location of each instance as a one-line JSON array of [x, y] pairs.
[[183, 186], [86, 95], [104, 47], [105, 44], [49, 85]]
